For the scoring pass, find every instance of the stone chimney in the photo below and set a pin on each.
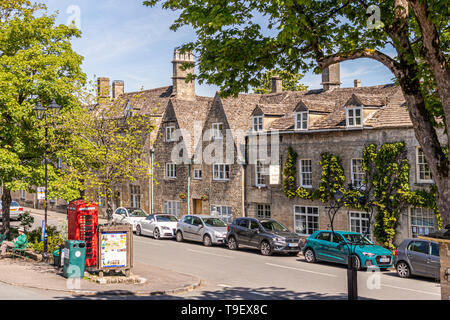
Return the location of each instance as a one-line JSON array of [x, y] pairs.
[[277, 84], [357, 83], [118, 88], [331, 77], [181, 89], [103, 90]]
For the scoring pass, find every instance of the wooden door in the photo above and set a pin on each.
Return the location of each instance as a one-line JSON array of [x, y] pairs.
[[197, 206]]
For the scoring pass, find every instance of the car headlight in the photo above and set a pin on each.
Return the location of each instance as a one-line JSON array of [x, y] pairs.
[[368, 254], [278, 239]]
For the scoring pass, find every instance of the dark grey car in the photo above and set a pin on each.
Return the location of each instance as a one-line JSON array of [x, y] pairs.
[[418, 257], [267, 235]]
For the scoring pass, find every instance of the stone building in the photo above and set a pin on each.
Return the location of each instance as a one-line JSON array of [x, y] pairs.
[[340, 121], [205, 159]]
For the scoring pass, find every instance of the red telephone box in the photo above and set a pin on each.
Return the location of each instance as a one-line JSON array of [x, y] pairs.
[[82, 225]]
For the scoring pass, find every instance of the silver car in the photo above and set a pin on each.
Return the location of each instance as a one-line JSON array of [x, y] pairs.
[[207, 229], [417, 257]]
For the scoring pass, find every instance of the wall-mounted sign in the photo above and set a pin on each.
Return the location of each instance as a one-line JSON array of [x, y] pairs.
[[274, 172]]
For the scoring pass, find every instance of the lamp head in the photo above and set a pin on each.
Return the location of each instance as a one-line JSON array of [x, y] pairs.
[[39, 110]]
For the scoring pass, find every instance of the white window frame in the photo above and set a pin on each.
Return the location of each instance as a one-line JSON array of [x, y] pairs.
[[217, 130], [354, 117], [224, 212], [22, 195], [417, 229], [198, 176], [301, 173], [172, 207], [258, 123], [309, 219], [304, 117], [169, 133], [359, 219], [220, 172], [261, 172], [135, 196], [354, 174], [171, 170], [263, 211], [419, 164]]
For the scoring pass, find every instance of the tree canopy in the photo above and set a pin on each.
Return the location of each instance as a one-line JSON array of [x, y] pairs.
[[237, 41]]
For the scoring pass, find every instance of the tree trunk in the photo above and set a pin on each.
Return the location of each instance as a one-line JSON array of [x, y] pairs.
[[6, 203]]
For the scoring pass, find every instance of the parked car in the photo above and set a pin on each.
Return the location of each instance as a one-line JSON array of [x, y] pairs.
[[129, 215], [158, 226], [267, 235], [323, 245], [418, 257], [15, 210], [207, 229]]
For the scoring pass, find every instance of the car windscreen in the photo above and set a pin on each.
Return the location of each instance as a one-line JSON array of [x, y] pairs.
[[356, 238], [166, 219], [14, 204], [136, 212], [214, 222], [271, 225]]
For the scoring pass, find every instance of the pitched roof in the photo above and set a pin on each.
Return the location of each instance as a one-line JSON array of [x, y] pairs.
[[392, 111]]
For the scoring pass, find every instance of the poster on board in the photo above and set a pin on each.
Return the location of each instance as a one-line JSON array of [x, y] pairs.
[[113, 248]]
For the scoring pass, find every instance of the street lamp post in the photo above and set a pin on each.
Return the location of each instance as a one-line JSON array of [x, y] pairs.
[[339, 201], [41, 113]]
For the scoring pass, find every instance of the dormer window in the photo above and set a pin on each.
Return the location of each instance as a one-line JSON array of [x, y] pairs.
[[128, 112], [354, 117], [169, 134], [301, 120], [217, 131], [258, 123]]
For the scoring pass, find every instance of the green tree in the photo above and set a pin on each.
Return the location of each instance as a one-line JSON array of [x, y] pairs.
[[37, 63], [290, 81], [298, 35], [108, 142]]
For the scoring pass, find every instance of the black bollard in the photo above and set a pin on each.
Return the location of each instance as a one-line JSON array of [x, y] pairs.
[[352, 278]]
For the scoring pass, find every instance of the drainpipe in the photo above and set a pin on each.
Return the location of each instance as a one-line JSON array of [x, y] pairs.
[[189, 187], [244, 191], [152, 153]]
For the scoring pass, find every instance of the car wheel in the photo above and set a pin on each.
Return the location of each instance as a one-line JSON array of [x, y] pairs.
[[207, 241], [156, 234], [138, 230], [357, 263], [266, 249], [403, 270], [310, 256], [232, 244], [179, 236]]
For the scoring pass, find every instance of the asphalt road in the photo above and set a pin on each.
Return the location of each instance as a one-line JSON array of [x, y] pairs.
[[246, 274]]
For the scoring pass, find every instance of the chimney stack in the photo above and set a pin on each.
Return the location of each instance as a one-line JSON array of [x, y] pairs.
[[357, 83], [181, 89], [118, 88], [103, 90], [277, 84], [331, 77]]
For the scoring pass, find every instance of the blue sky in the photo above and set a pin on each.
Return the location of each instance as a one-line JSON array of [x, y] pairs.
[[124, 40]]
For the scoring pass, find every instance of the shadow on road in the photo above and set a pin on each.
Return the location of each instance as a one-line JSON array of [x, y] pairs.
[[237, 293]]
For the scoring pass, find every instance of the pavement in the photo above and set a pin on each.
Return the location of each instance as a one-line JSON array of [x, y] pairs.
[[39, 275], [158, 281]]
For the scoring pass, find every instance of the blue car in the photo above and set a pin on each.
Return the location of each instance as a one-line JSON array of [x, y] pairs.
[[323, 245]]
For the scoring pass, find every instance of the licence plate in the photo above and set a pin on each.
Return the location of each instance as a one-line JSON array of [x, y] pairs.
[[385, 259], [293, 245]]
